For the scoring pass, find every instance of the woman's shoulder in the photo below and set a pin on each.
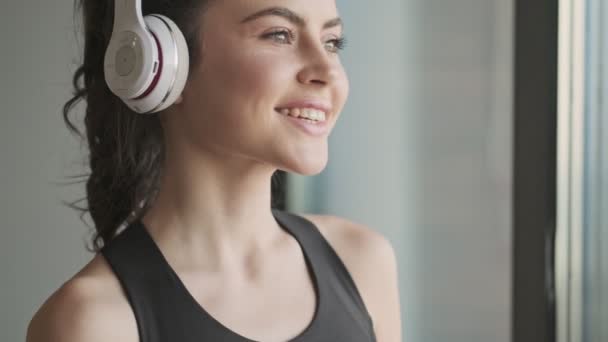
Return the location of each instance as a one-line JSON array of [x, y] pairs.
[[83, 308], [348, 235], [358, 245], [370, 259]]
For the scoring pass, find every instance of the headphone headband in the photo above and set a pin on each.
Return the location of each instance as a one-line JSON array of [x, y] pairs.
[[126, 14]]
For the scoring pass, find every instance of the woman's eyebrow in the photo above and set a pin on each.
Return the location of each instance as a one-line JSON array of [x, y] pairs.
[[290, 16]]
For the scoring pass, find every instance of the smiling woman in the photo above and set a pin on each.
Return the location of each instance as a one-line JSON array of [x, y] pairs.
[[187, 244]]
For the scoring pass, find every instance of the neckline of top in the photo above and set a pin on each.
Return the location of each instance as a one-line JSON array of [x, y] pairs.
[[313, 270]]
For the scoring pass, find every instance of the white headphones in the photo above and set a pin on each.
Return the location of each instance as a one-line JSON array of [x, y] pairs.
[[146, 63]]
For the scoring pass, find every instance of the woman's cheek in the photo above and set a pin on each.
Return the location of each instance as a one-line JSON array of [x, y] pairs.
[[262, 71]]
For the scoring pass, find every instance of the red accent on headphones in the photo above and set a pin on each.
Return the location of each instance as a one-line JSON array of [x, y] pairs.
[[158, 72]]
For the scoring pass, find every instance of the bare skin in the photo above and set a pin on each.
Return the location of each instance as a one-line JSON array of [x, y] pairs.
[[93, 299], [212, 219]]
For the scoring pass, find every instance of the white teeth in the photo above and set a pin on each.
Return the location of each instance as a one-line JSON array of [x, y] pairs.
[[304, 113]]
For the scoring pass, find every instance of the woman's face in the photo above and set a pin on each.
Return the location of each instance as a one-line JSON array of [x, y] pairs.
[[255, 72]]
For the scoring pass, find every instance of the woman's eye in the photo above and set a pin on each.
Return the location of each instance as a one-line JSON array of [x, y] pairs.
[[287, 37], [282, 36], [337, 44]]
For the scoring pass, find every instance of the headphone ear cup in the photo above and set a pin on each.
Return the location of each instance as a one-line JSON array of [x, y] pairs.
[[129, 61], [172, 70]]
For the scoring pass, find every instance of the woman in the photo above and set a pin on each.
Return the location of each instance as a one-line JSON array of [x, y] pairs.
[[202, 255]]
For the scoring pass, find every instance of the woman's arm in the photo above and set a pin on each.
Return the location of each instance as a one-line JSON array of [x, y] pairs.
[[383, 290]]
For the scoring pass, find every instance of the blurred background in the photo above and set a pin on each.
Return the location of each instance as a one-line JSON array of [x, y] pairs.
[[425, 152], [422, 153]]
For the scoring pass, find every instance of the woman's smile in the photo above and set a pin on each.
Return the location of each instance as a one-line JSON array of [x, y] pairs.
[[312, 127]]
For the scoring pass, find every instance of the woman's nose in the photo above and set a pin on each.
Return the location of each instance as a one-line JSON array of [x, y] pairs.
[[319, 66]]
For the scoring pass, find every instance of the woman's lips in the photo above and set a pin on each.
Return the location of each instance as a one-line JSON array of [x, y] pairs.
[[316, 129]]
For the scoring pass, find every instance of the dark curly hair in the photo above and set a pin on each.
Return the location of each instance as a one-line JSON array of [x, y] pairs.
[[126, 150]]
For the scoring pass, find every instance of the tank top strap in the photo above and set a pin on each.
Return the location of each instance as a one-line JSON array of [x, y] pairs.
[[161, 311], [335, 279], [127, 255]]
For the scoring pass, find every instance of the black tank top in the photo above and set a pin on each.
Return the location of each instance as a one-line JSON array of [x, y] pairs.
[[166, 312]]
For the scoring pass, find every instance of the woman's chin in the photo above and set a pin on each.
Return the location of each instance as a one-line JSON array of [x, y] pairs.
[[309, 167]]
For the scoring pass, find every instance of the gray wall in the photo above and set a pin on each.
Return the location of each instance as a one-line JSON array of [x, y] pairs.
[[423, 154], [41, 241]]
